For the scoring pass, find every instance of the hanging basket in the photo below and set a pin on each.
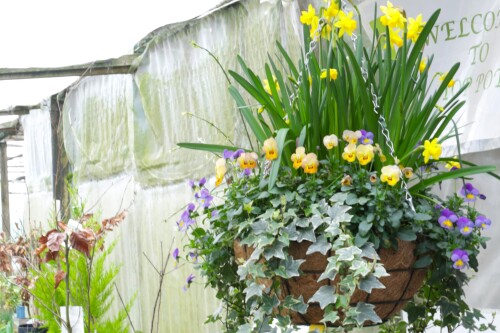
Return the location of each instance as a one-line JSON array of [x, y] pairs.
[[404, 280]]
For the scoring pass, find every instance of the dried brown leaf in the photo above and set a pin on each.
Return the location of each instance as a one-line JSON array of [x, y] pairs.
[[58, 278]]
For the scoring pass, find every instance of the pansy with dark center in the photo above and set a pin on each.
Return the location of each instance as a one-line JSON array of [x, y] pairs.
[[189, 281], [465, 225], [176, 257], [483, 222], [460, 258], [232, 155], [469, 192], [185, 221], [447, 219]]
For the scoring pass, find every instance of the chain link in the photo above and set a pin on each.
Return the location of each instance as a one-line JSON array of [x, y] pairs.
[[381, 120]]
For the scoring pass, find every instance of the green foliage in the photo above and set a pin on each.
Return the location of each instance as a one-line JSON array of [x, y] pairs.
[[95, 298]]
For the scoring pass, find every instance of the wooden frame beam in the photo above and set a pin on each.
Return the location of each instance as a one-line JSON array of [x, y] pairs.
[[122, 65]]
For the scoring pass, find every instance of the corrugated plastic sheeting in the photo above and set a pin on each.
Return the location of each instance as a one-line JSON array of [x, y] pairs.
[[38, 150], [97, 119], [148, 229], [176, 78]]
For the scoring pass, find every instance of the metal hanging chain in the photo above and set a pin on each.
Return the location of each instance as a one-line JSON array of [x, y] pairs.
[[381, 120]]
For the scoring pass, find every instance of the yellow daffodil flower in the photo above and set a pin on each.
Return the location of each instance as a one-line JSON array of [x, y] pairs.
[[271, 149], [332, 73], [220, 170], [431, 149], [351, 136], [330, 141], [415, 27], [349, 153], [297, 158], [395, 38], [345, 23], [393, 17], [422, 66], [310, 163], [267, 87], [325, 29], [364, 154], [307, 16], [390, 174], [248, 160], [332, 11], [450, 84]]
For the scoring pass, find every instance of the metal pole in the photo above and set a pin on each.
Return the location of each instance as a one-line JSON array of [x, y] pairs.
[[4, 178]]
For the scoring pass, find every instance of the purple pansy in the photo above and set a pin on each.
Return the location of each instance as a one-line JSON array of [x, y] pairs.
[[204, 197], [447, 219], [185, 221], [191, 207], [193, 256], [175, 255], [483, 222], [189, 280], [246, 172], [366, 137], [460, 258], [232, 155], [469, 192], [202, 182], [465, 225]]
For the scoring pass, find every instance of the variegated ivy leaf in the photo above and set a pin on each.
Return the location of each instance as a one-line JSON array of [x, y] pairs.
[[276, 250], [254, 289], [267, 215], [259, 227], [380, 271], [291, 230], [339, 213], [330, 316], [289, 268], [324, 296], [321, 245], [360, 268], [302, 222], [339, 197], [256, 254], [333, 229], [370, 282], [269, 303], [368, 251], [264, 240], [329, 273], [316, 221], [348, 253], [246, 328], [295, 304], [366, 312], [306, 235], [290, 215]]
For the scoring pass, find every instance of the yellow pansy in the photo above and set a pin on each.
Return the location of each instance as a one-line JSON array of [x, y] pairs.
[[330, 141], [346, 181], [415, 27], [271, 149], [390, 174], [220, 170], [393, 17], [453, 165], [407, 172], [248, 160], [345, 23], [351, 136], [308, 16], [310, 163], [431, 149], [364, 154], [297, 158], [332, 73], [349, 153]]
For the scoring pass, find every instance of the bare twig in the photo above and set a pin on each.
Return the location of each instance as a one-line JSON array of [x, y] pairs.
[[124, 307]]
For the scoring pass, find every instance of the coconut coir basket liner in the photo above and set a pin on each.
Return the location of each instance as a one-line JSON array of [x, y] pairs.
[[404, 281]]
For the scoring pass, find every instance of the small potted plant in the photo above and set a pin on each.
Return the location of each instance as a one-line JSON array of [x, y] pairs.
[[329, 215]]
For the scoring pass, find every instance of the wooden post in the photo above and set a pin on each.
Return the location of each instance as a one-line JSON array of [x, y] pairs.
[[4, 188]]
